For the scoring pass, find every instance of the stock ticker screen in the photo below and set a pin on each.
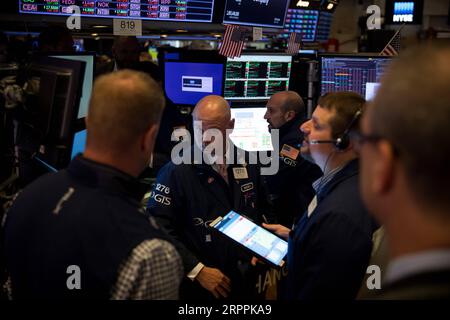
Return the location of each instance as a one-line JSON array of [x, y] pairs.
[[256, 77], [358, 74], [263, 13], [170, 10], [301, 21]]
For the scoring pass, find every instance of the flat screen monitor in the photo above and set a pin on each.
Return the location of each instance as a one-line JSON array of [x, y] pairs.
[[87, 80], [263, 13], [56, 107], [164, 10], [302, 21], [257, 77], [187, 82], [360, 74], [400, 12], [250, 131]]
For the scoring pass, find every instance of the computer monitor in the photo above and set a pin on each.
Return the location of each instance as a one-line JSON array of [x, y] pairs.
[[190, 75], [301, 21], [357, 73], [250, 131], [404, 12], [88, 79], [263, 13], [256, 77], [54, 110], [187, 82]]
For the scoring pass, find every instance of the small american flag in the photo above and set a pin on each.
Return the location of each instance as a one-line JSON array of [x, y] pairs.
[[393, 46], [295, 39], [233, 41]]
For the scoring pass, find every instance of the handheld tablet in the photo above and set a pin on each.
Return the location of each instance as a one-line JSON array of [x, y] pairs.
[[258, 240]]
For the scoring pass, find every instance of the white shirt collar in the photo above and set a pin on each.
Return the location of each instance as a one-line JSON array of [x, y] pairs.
[[413, 264]]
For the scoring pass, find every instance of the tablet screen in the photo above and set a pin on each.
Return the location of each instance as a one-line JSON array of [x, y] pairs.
[[255, 238]]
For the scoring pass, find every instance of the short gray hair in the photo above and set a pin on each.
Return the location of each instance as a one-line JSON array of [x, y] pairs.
[[123, 106]]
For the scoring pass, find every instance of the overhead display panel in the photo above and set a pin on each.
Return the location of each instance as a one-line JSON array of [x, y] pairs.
[[164, 10], [262, 13]]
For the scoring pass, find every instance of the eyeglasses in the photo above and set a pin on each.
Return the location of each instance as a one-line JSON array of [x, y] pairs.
[[361, 138]]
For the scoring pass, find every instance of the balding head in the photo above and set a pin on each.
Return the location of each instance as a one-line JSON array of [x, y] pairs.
[[214, 113], [123, 106], [282, 107], [212, 108], [289, 101], [411, 110]]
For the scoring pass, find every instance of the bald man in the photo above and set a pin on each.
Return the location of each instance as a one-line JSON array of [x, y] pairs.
[[290, 189], [81, 232], [188, 196]]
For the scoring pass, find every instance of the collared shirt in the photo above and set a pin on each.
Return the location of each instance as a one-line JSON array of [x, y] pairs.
[[322, 181], [414, 264], [152, 272]]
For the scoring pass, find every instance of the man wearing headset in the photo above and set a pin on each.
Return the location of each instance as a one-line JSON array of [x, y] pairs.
[[330, 246]]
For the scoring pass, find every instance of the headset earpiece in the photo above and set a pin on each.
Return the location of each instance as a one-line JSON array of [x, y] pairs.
[[343, 141]]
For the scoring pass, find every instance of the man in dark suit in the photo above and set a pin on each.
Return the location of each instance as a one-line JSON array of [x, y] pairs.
[[405, 151], [330, 246], [290, 189]]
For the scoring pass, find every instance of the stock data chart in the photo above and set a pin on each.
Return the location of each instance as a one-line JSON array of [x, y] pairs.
[[176, 10], [256, 77], [357, 74]]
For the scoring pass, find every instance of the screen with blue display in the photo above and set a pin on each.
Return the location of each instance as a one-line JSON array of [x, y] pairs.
[[303, 22], [79, 143], [187, 82], [399, 12]]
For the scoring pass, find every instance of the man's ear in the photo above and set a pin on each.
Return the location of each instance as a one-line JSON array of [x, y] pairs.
[[148, 138], [384, 168], [231, 124], [289, 115]]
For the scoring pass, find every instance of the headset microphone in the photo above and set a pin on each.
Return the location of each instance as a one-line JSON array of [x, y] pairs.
[[321, 141]]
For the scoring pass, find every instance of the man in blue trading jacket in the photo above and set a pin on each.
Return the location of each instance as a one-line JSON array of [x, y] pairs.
[[290, 189], [188, 196], [81, 232], [330, 246]]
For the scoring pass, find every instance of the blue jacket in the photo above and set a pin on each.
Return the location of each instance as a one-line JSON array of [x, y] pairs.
[[329, 251], [87, 215], [186, 198]]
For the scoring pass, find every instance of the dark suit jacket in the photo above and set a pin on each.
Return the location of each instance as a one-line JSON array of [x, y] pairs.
[[329, 251]]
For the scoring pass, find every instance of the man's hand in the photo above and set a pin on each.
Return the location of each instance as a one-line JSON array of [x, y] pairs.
[[214, 281], [280, 230]]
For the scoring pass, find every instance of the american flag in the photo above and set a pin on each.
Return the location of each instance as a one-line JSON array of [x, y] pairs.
[[393, 46], [233, 41], [295, 39]]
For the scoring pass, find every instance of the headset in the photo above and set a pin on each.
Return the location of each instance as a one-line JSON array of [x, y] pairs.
[[343, 141]]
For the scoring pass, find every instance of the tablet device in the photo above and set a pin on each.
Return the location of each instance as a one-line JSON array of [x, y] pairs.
[[259, 241]]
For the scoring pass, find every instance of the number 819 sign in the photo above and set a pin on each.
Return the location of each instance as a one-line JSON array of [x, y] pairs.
[[127, 27]]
